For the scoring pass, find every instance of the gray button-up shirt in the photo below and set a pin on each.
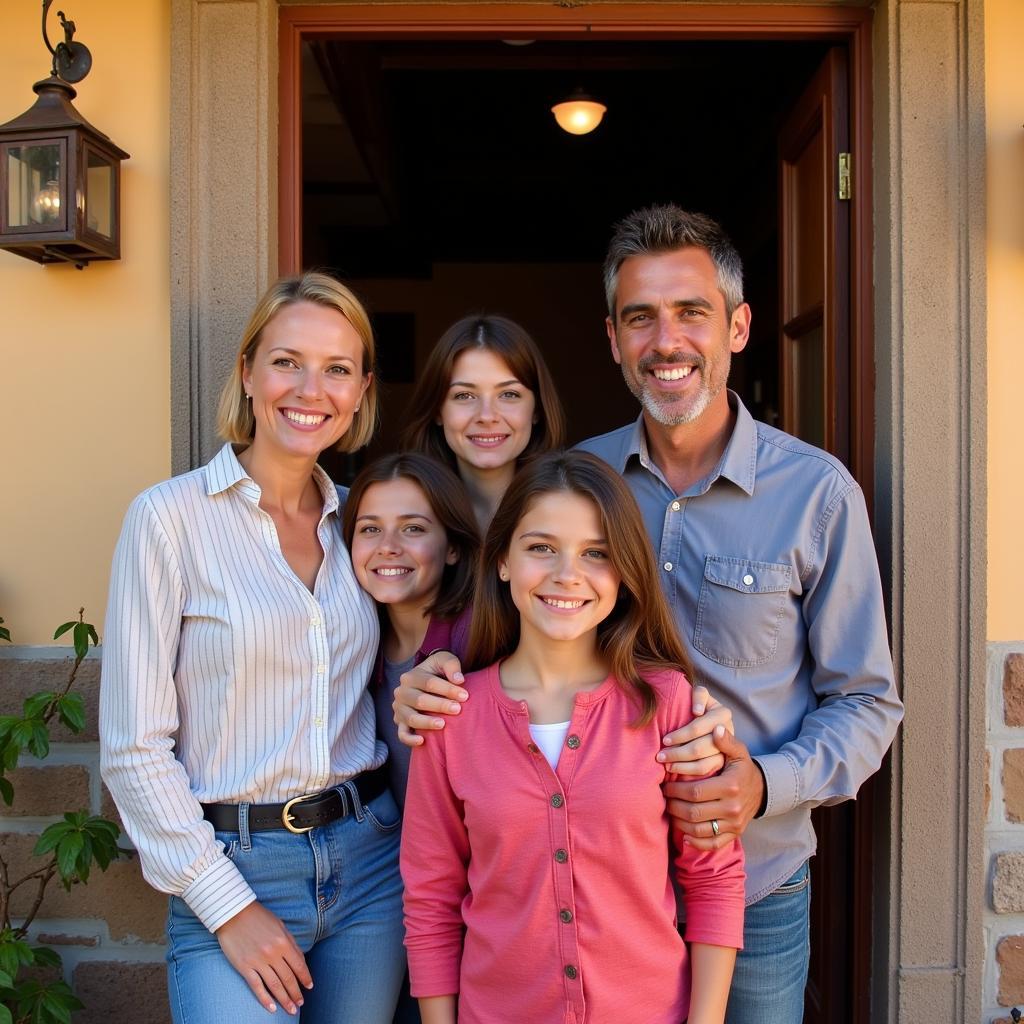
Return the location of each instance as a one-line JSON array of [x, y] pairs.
[[769, 566]]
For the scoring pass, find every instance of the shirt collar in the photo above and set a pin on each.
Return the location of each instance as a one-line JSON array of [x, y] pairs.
[[224, 471], [738, 462]]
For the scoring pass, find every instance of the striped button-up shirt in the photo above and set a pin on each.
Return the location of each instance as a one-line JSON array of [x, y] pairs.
[[224, 678]]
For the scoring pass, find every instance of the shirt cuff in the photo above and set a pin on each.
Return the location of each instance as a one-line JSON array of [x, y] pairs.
[[782, 783], [218, 894]]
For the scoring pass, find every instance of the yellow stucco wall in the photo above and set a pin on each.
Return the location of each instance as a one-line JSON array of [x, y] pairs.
[[1004, 100], [85, 370]]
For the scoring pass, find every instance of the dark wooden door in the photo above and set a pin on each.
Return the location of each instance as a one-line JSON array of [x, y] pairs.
[[817, 386]]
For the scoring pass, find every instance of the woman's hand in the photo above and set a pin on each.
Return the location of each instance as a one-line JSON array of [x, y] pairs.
[[264, 953], [432, 687]]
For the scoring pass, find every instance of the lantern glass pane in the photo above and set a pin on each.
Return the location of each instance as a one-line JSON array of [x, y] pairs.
[[99, 194], [33, 186]]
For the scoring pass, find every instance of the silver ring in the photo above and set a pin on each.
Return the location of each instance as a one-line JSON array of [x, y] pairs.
[[714, 826]]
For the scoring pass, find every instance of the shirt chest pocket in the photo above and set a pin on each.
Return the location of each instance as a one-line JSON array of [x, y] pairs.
[[739, 610]]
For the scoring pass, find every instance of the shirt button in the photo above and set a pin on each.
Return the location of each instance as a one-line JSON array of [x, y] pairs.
[[565, 916], [556, 800], [318, 721], [561, 856], [573, 742], [314, 620], [748, 580], [570, 972], [675, 506], [668, 567], [321, 669]]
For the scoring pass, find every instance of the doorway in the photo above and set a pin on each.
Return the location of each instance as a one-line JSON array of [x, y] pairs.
[[431, 175]]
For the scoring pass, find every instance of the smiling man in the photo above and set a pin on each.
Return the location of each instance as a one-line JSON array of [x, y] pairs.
[[766, 556]]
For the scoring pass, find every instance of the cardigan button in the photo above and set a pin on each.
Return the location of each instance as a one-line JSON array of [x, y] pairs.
[[533, 748], [556, 800], [561, 856], [573, 742], [565, 916], [570, 972]]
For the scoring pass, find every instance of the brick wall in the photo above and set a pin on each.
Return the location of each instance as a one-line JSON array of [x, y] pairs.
[[1004, 832], [109, 932]]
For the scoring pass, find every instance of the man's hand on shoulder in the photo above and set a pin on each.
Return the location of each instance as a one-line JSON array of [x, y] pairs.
[[434, 687]]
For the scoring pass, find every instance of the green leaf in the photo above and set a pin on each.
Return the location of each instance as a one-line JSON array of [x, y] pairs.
[[68, 850], [5, 633], [61, 630], [22, 732], [93, 635], [13, 953], [48, 841], [46, 957], [71, 712], [76, 818], [7, 723], [36, 704], [6, 791], [6, 981], [5, 1015], [99, 826], [11, 753], [39, 744], [80, 636]]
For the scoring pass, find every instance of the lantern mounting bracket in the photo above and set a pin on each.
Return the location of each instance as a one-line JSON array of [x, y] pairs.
[[72, 61]]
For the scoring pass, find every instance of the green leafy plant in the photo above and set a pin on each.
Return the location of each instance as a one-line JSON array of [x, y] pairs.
[[66, 850]]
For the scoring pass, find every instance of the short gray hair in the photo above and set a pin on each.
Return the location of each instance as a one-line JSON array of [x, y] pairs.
[[662, 229]]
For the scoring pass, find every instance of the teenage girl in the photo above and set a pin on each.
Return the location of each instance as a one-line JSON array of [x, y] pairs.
[[414, 546], [485, 401], [535, 849]]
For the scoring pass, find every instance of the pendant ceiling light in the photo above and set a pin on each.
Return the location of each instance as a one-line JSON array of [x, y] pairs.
[[579, 114]]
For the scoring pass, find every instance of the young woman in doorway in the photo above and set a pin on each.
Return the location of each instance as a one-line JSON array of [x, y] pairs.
[[485, 401]]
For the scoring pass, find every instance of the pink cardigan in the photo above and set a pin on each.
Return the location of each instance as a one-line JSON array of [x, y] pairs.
[[542, 895]]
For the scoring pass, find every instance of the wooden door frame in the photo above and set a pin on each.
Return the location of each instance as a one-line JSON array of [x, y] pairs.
[[847, 26], [640, 21]]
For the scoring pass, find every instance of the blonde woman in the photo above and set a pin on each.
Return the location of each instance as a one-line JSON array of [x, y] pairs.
[[238, 738]]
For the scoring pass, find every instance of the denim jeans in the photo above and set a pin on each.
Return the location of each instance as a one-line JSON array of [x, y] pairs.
[[771, 969], [338, 891]]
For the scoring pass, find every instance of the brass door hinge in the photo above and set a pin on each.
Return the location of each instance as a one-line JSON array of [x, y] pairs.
[[844, 176]]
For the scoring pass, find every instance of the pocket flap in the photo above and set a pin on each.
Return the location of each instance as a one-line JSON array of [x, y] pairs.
[[746, 575]]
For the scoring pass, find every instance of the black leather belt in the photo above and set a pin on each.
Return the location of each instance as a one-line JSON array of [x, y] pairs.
[[301, 813]]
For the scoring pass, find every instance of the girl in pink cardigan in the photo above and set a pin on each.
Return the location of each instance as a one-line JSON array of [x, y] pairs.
[[535, 850]]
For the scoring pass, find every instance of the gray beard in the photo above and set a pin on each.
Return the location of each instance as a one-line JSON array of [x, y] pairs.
[[664, 414]]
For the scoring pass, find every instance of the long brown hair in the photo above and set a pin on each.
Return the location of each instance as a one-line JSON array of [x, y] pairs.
[[640, 634], [514, 346], [449, 501]]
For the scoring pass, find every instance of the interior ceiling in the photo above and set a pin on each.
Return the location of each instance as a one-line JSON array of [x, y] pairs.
[[417, 152]]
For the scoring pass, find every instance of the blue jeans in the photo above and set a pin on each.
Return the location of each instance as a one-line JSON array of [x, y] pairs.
[[771, 969], [338, 891]]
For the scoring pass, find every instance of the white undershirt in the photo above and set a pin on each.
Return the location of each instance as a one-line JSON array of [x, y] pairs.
[[550, 737]]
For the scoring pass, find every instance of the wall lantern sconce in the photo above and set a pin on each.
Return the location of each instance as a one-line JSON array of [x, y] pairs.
[[60, 178], [579, 114]]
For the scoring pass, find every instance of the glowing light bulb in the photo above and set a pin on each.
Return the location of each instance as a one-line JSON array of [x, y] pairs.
[[46, 203], [579, 114]]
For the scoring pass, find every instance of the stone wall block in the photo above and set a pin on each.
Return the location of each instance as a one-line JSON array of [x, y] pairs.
[[119, 895], [1010, 958], [1013, 689], [48, 792], [21, 678], [121, 993], [1008, 883], [1013, 784]]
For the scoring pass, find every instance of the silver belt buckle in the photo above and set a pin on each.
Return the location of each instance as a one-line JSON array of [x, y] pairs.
[[286, 815]]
